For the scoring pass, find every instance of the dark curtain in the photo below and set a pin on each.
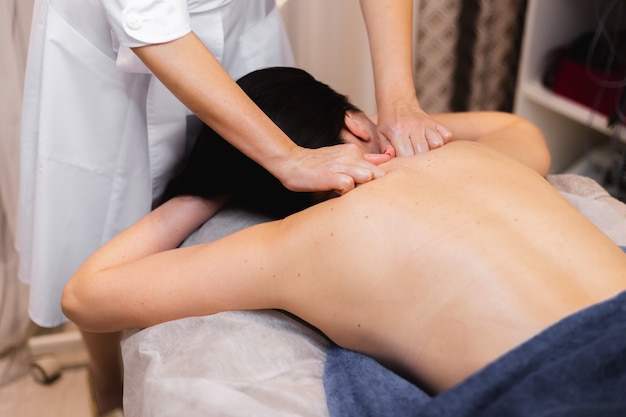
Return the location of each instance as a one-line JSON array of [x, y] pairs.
[[467, 53]]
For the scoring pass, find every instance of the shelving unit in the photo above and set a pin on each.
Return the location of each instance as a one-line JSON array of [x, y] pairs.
[[570, 128]]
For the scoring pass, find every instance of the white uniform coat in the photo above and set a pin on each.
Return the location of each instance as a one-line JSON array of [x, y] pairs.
[[100, 134]]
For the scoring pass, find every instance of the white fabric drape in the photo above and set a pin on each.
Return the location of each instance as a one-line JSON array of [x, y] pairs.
[[15, 18]]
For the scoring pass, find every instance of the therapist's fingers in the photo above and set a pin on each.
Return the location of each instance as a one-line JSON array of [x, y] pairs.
[[445, 133], [339, 168], [434, 139], [385, 146], [438, 136], [409, 143], [410, 130], [378, 158], [421, 142]]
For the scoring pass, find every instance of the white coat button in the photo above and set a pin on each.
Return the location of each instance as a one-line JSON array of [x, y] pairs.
[[134, 21]]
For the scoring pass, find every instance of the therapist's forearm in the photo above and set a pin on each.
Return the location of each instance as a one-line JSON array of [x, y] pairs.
[[189, 70], [389, 28]]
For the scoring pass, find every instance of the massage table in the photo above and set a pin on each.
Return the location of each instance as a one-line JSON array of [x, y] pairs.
[[268, 363]]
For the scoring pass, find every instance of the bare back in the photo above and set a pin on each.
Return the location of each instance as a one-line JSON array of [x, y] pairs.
[[448, 261], [451, 259]]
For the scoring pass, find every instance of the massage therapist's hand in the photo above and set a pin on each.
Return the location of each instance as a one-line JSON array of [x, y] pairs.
[[404, 129], [339, 168]]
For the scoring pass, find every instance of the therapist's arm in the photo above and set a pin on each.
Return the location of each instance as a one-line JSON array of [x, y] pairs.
[[401, 120], [188, 69]]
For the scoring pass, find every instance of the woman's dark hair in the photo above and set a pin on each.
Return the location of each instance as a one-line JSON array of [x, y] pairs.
[[308, 111]]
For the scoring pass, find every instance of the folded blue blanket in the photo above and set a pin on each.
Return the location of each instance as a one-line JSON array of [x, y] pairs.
[[577, 367]]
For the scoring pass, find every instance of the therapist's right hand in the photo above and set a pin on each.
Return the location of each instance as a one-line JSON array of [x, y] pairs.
[[340, 168]]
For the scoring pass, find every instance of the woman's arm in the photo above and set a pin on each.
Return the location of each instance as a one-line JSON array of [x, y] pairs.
[[141, 277], [103, 285], [505, 132], [194, 75], [401, 120]]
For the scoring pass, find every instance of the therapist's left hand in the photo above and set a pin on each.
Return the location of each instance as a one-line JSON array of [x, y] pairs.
[[404, 129]]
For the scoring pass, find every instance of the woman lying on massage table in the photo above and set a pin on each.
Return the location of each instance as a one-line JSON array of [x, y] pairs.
[[451, 259]]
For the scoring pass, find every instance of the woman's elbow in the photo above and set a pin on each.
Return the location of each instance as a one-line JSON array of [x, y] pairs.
[[534, 151], [541, 159], [78, 305], [71, 302]]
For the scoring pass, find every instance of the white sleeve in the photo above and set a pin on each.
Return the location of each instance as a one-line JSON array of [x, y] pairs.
[[143, 22]]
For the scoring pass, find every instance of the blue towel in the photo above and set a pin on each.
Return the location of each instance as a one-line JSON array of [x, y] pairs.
[[575, 368], [358, 386]]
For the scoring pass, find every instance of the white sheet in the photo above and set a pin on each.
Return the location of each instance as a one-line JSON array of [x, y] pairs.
[[239, 364], [606, 212], [264, 363]]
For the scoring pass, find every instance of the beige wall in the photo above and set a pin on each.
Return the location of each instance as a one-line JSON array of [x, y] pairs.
[[329, 41]]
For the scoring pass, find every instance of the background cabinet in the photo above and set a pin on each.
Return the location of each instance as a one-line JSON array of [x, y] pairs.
[[570, 128]]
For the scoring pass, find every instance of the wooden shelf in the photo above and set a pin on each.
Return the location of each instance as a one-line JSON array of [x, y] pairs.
[[571, 129], [537, 93]]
